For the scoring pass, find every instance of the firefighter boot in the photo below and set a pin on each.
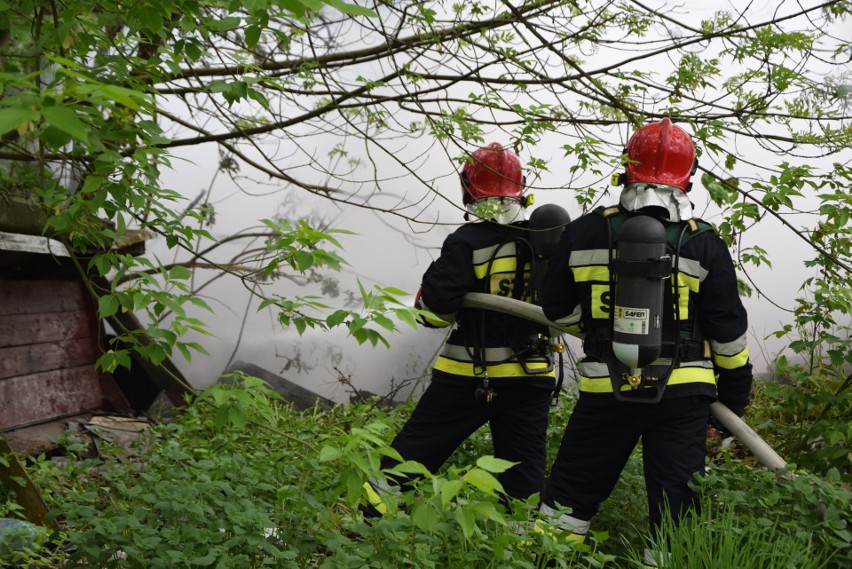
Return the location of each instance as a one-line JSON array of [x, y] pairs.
[[374, 508], [565, 527]]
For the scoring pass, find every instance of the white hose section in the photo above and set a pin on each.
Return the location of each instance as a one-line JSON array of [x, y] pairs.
[[746, 435], [735, 425]]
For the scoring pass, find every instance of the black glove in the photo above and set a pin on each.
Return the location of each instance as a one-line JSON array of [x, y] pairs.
[[735, 392]]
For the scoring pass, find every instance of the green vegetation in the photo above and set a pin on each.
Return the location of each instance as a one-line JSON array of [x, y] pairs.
[[98, 98], [241, 480]]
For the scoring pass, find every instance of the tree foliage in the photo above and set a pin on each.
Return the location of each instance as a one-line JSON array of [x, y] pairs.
[[352, 101]]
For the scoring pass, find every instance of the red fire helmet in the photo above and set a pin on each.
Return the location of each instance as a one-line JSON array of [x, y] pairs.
[[661, 153], [492, 172]]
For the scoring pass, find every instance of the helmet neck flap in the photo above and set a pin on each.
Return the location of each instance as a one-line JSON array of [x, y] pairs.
[[497, 210], [639, 195]]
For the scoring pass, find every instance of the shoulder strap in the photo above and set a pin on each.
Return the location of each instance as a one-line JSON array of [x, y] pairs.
[[695, 227], [616, 217]]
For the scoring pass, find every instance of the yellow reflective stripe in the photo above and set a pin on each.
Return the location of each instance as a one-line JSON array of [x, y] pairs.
[[460, 353], [588, 257], [374, 499], [731, 362], [599, 273], [692, 269], [501, 370], [507, 265], [688, 281], [679, 376], [683, 301], [692, 375], [731, 348], [595, 384]]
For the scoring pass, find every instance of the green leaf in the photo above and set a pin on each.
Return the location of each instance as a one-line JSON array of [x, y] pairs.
[[150, 17], [113, 359], [450, 490], [336, 318], [179, 272], [411, 467], [424, 516], [329, 453], [467, 521], [252, 35], [66, 120], [384, 322], [187, 355], [11, 118], [301, 324], [493, 464], [483, 480], [225, 24], [55, 138], [407, 316], [107, 306], [352, 9], [302, 261]]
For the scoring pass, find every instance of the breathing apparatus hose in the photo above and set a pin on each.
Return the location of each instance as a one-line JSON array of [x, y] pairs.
[[734, 424]]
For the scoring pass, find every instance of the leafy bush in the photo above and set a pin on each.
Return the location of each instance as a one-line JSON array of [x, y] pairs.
[[806, 416], [240, 480], [782, 512]]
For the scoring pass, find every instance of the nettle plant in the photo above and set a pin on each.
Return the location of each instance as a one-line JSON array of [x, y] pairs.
[[241, 479]]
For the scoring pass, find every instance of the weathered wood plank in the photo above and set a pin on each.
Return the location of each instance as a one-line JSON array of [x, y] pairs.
[[42, 396], [23, 329], [34, 358], [28, 495], [33, 297], [39, 244]]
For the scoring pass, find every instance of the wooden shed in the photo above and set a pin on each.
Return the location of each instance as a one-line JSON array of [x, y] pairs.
[[50, 338]]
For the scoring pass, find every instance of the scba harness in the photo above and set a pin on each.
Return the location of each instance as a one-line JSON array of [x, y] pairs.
[[643, 342], [532, 250]]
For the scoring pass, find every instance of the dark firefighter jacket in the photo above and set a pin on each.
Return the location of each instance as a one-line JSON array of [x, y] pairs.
[[576, 292], [495, 259]]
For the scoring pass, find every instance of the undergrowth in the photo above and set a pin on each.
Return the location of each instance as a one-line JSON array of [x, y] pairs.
[[241, 480]]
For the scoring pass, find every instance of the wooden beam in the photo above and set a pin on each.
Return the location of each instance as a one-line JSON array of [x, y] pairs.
[[15, 480], [166, 375]]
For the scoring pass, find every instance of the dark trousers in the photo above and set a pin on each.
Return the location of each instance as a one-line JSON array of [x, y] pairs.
[[448, 413], [602, 433]]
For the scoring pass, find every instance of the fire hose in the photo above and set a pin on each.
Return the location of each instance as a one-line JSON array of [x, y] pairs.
[[727, 418]]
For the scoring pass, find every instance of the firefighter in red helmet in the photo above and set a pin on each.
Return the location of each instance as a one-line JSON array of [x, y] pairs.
[[701, 351], [495, 368]]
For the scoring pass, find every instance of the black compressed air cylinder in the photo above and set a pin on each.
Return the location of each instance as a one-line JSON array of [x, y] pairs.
[[641, 269]]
